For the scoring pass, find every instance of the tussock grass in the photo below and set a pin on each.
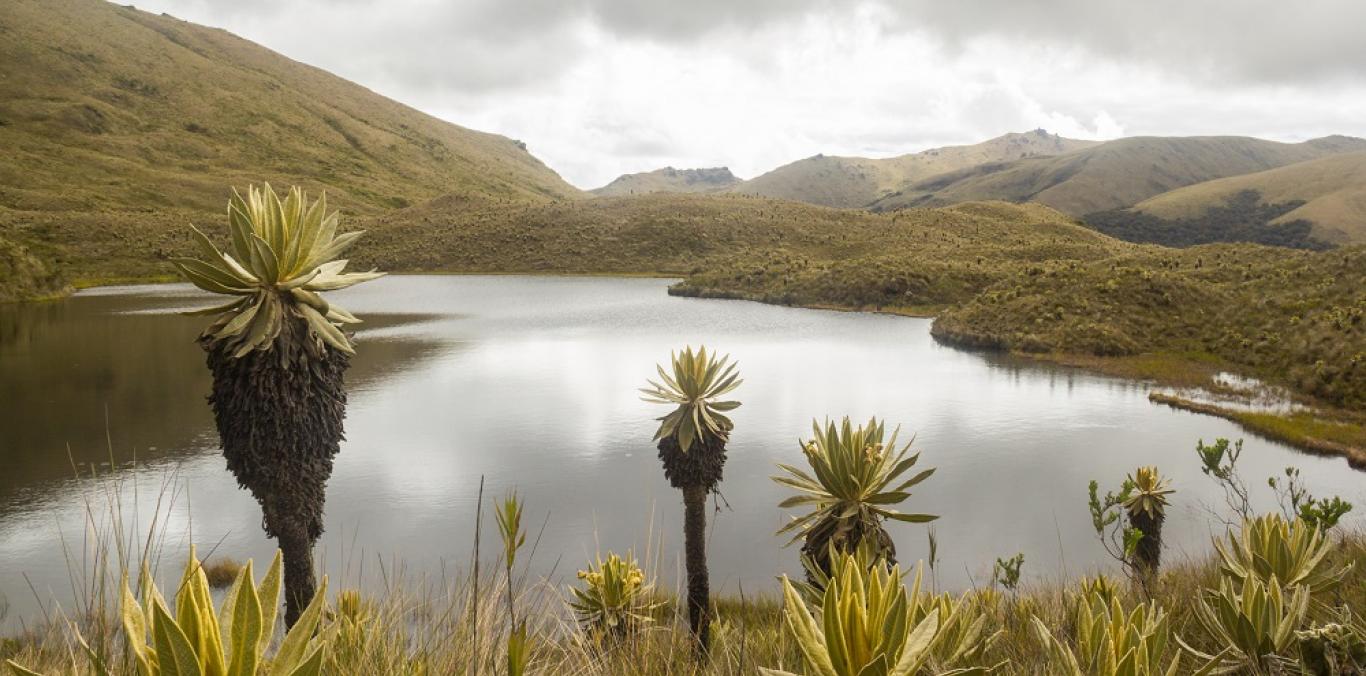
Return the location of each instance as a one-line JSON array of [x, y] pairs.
[[221, 571], [423, 626], [425, 623]]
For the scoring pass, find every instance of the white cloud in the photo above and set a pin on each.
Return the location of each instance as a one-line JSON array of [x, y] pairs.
[[601, 87]]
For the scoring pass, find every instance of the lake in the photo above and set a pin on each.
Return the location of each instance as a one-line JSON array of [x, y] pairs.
[[531, 382]]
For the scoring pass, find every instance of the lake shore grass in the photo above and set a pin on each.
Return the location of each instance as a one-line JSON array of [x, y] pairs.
[[1185, 370], [124, 280], [1309, 430], [1312, 426]]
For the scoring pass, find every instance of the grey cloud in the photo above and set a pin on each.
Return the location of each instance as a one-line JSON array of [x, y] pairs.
[[437, 48], [474, 44], [509, 43], [1249, 40], [1257, 40]]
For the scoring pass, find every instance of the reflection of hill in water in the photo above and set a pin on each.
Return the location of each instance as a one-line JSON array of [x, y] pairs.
[[66, 367]]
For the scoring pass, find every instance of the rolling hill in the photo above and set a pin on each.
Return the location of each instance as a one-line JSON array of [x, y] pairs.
[[681, 234], [1326, 196], [106, 107], [851, 182], [669, 179], [1114, 174]]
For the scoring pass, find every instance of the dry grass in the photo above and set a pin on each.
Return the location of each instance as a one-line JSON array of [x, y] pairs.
[[221, 571], [423, 626], [424, 623]]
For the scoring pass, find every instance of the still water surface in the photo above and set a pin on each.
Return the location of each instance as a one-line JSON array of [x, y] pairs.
[[531, 382]]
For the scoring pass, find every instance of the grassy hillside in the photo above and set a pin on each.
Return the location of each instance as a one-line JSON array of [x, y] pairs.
[[1328, 193], [110, 108], [120, 127], [858, 181], [1296, 318], [669, 179], [1114, 174], [1242, 217], [920, 260], [666, 233]]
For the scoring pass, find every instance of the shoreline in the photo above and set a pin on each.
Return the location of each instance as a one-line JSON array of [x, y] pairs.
[[1315, 429], [1293, 428]]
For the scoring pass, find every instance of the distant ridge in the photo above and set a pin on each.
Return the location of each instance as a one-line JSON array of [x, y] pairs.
[[851, 182], [669, 179], [1114, 174], [1316, 201]]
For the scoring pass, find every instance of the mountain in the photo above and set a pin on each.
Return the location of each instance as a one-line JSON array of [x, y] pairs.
[[1114, 174], [1318, 201], [669, 179], [108, 107], [852, 182]]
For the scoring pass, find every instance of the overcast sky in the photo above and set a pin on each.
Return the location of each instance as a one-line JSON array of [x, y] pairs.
[[598, 88]]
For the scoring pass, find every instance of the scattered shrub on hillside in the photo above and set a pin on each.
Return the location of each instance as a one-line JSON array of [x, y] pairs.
[[1242, 218]]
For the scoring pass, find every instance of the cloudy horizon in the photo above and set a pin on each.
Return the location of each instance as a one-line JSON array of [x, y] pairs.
[[599, 88]]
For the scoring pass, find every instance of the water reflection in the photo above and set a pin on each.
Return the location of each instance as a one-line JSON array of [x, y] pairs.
[[115, 375], [531, 381]]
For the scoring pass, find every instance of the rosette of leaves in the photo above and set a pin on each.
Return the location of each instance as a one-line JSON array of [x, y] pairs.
[[865, 625], [1111, 641], [229, 640], [283, 255], [961, 641], [1293, 553], [1100, 586], [1146, 505], [614, 601], [1256, 623], [855, 481]]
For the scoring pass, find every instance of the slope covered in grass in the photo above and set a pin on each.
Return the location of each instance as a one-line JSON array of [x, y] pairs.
[[1114, 174], [1296, 318], [120, 126], [106, 107], [663, 233], [1329, 194], [858, 181], [1241, 217]]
